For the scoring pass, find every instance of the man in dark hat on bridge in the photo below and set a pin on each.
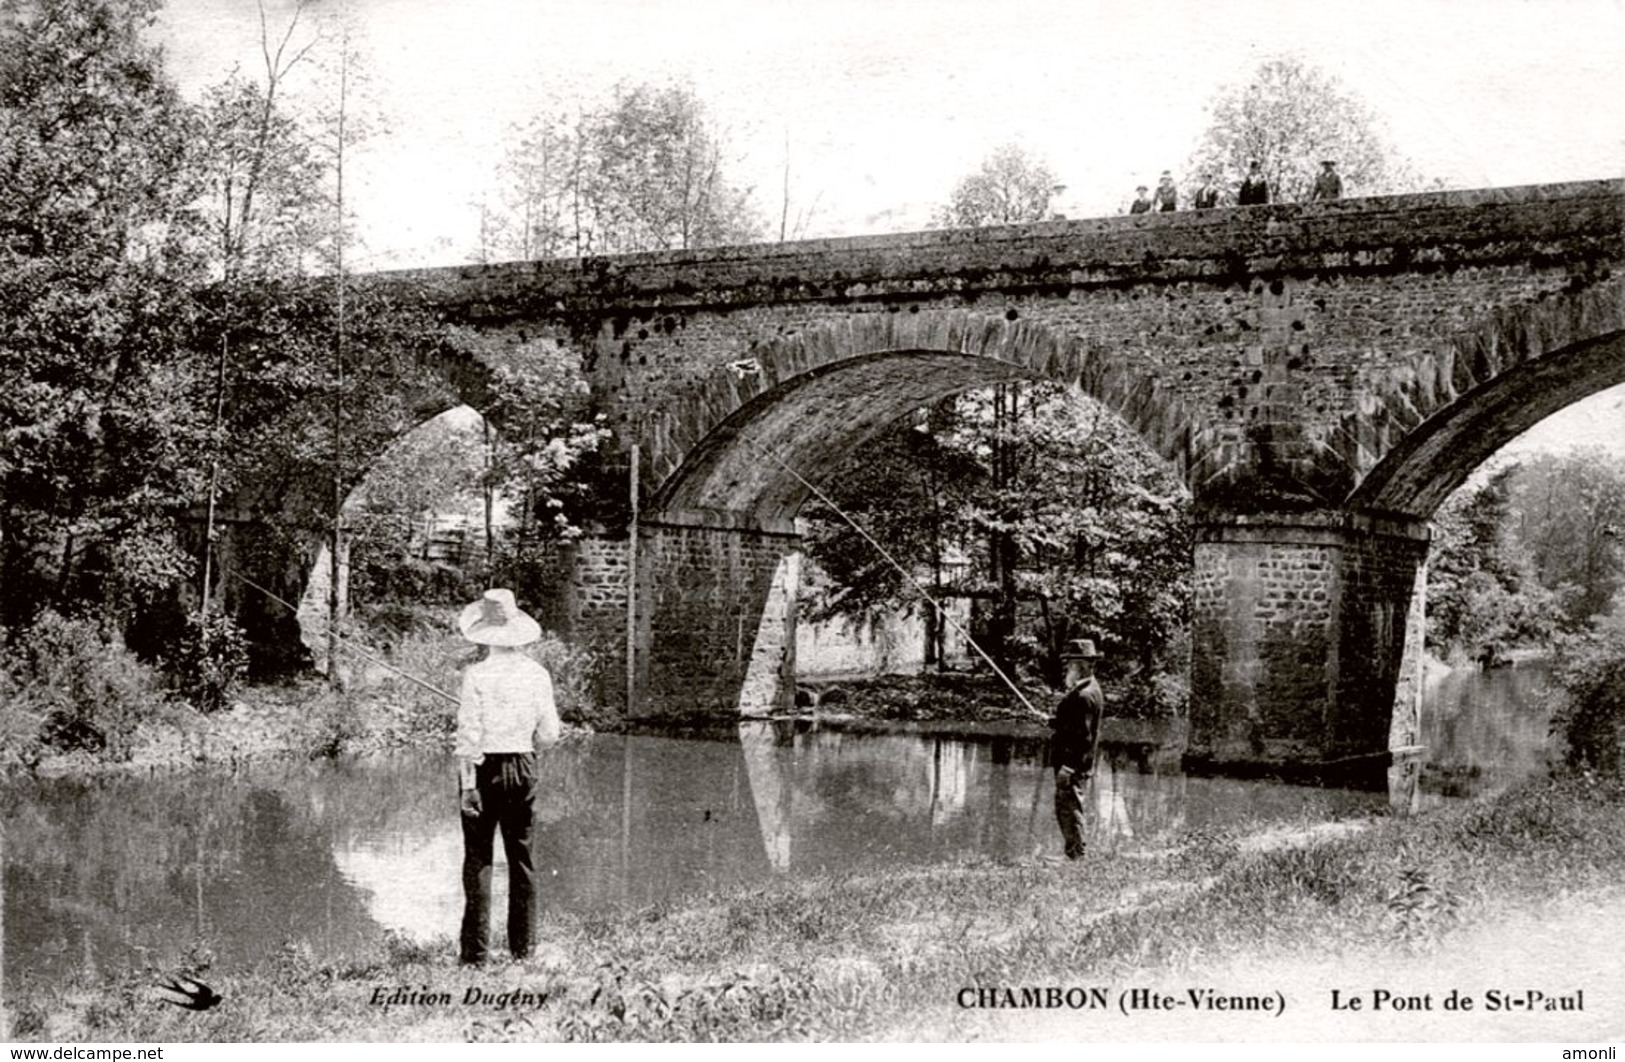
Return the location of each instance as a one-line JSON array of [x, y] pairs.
[[1076, 735], [1254, 190], [505, 711]]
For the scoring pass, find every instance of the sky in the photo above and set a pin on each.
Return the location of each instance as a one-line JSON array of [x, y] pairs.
[[848, 117]]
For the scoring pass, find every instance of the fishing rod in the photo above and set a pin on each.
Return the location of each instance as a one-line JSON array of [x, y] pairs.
[[914, 583], [347, 644]]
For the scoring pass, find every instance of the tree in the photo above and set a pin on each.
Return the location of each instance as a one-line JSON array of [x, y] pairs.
[[642, 173], [1482, 587], [909, 488], [1104, 534], [542, 199], [1081, 532], [264, 178], [544, 435], [1289, 117], [1572, 514], [99, 446], [264, 202], [1010, 187]]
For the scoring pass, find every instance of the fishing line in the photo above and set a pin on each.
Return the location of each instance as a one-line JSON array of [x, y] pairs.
[[912, 582]]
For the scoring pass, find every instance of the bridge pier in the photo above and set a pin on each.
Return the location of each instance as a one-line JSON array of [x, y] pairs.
[[1307, 641], [716, 616]]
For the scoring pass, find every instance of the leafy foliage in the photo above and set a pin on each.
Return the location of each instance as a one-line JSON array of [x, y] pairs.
[[1058, 506], [1010, 187], [1571, 516], [1482, 588], [210, 657], [1289, 117], [909, 489], [99, 451], [78, 684], [643, 172], [264, 178], [1532, 551], [1590, 670], [545, 448]]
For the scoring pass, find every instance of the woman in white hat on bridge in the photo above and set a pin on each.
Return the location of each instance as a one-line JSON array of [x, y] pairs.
[[505, 712]]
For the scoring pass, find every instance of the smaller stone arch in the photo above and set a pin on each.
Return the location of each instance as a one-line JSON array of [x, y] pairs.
[[807, 399], [1456, 406], [454, 420]]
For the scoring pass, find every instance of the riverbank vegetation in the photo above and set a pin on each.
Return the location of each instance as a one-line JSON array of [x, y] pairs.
[[885, 953], [75, 699]]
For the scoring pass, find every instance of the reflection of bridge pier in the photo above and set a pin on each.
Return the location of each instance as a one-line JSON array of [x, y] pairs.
[[770, 789], [5, 1023]]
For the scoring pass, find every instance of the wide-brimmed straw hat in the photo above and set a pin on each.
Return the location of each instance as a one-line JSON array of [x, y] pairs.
[[1080, 649], [496, 619]]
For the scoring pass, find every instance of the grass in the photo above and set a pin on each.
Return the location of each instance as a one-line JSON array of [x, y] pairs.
[[878, 955]]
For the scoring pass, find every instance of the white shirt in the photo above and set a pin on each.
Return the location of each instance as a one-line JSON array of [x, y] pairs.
[[506, 706]]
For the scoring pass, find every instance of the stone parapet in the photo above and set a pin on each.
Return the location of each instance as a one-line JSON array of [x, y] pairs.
[[1404, 232]]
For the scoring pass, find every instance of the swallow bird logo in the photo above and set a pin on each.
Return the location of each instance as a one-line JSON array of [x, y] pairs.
[[187, 992]]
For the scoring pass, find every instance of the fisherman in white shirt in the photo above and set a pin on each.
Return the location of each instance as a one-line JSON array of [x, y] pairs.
[[505, 713]]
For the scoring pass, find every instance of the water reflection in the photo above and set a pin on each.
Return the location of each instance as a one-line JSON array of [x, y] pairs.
[[120, 871], [1484, 730]]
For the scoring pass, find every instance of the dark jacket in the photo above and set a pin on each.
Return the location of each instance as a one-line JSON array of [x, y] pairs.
[[1253, 192], [1076, 726]]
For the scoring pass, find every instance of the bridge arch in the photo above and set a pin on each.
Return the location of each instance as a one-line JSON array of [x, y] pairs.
[[1454, 408], [806, 400]]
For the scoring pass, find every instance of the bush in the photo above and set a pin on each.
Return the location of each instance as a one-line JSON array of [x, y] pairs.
[[1589, 669], [333, 725], [1164, 695], [209, 657], [575, 681], [86, 690], [431, 655]]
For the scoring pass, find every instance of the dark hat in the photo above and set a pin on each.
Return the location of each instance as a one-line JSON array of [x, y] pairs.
[[1328, 162], [495, 619], [1080, 649]]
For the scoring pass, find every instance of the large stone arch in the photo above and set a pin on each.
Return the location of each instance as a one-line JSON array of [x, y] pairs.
[[1442, 417], [804, 401]]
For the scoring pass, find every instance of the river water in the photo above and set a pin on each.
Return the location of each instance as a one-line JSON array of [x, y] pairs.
[[326, 856]]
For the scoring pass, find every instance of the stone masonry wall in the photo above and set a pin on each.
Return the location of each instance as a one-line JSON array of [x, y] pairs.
[[1307, 637], [717, 614], [1263, 631], [1273, 325]]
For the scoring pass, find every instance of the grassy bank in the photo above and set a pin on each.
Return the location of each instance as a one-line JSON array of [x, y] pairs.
[[885, 954]]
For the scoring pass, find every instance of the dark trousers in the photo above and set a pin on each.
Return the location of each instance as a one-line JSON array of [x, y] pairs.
[[1069, 812], [507, 787]]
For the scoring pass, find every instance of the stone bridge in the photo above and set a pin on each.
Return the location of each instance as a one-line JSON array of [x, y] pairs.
[[1321, 375]]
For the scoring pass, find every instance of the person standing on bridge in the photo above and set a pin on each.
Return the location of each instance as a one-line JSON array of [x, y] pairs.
[[1167, 196], [1254, 189], [1328, 185], [505, 711], [1207, 196], [1142, 201], [1074, 739]]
